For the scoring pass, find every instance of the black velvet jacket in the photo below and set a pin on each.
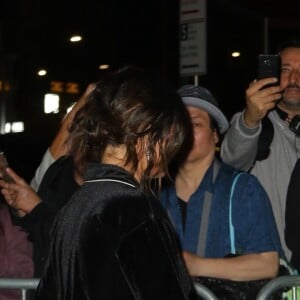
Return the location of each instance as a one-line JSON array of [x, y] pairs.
[[56, 188], [112, 241]]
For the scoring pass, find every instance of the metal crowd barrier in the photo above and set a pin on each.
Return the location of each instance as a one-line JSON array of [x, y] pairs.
[[23, 284], [289, 281], [204, 292]]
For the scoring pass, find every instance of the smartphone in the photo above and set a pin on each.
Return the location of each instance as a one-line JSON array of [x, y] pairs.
[[3, 166], [268, 65]]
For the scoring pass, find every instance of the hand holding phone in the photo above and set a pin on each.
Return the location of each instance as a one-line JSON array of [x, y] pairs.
[[269, 66], [3, 166]]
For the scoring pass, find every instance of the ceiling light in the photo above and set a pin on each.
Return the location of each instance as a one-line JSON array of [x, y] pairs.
[[103, 67], [75, 38], [42, 72], [235, 54]]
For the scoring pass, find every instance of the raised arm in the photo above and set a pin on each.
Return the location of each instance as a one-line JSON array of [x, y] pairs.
[[239, 146], [58, 146]]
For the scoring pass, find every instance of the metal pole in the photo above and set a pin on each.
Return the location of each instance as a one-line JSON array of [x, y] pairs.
[[24, 294], [266, 35], [196, 80]]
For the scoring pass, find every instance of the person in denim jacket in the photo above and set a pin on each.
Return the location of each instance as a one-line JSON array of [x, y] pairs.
[[201, 176]]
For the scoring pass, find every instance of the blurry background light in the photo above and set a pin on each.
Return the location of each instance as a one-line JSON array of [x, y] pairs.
[[103, 67], [235, 54], [75, 38], [17, 126], [14, 127], [7, 127], [42, 72], [51, 103]]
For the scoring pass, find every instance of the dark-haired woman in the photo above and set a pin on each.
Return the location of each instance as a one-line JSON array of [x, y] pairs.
[[113, 239]]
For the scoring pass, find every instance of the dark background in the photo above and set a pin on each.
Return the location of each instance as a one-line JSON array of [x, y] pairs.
[[34, 34]]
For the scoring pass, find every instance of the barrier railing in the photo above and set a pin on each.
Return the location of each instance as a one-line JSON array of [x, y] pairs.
[[204, 292], [290, 281], [23, 284]]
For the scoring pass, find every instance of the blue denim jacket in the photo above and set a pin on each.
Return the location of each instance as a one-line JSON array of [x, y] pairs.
[[254, 225]]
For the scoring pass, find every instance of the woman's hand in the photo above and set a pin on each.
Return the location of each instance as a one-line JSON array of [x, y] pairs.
[[18, 194]]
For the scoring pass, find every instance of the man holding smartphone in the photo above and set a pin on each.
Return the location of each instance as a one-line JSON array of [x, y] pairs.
[[279, 107]]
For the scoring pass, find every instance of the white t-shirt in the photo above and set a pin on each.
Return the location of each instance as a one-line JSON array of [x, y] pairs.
[[46, 161]]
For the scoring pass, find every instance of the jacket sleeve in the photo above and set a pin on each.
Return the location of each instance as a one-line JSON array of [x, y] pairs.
[[39, 221], [292, 228], [239, 145]]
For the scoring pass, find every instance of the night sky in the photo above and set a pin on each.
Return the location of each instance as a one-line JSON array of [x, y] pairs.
[[35, 34]]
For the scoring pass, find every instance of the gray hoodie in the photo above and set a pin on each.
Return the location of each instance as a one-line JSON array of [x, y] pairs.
[[239, 149]]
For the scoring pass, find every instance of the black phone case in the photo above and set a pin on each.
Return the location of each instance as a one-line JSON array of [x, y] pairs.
[[268, 66]]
